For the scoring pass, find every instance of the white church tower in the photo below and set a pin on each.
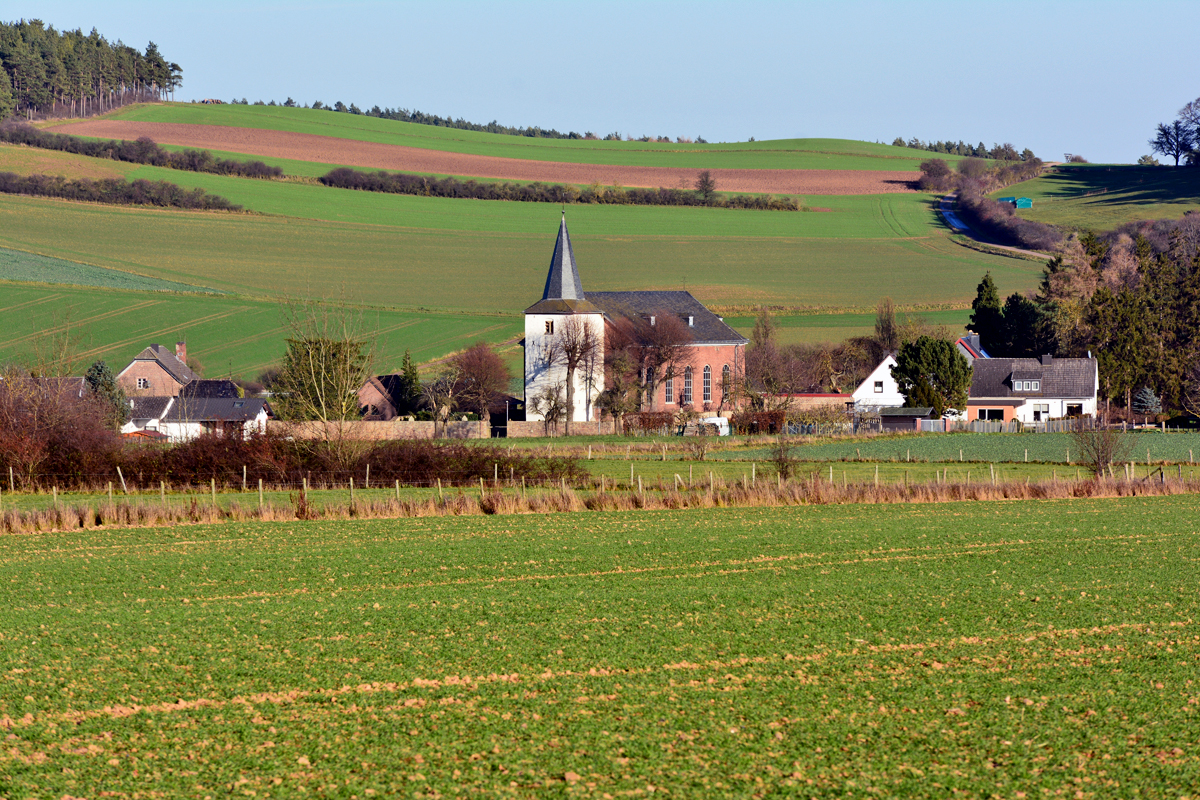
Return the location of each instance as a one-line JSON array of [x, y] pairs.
[[555, 327]]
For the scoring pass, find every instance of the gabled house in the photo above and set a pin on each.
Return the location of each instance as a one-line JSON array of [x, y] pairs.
[[1033, 390], [382, 397], [157, 371], [182, 418], [879, 389], [970, 348], [713, 362]]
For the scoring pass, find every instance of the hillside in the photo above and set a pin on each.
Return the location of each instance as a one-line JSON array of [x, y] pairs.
[[433, 260], [1101, 197]]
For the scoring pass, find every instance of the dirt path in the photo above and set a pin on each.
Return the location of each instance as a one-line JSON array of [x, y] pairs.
[[957, 224], [329, 150]]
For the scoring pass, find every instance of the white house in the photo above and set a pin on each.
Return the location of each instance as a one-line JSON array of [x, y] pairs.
[[1033, 389], [880, 389], [183, 418]]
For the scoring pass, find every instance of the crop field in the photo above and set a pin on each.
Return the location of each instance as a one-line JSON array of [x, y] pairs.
[[1035, 648], [1102, 197], [31, 161], [1051, 448], [815, 328], [617, 248], [229, 335], [16, 265], [830, 154]]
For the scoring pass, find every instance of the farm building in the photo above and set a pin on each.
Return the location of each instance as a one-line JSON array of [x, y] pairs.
[[1033, 390], [184, 417], [904, 418], [709, 355]]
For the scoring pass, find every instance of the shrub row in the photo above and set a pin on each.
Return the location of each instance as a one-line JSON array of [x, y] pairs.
[[142, 151], [999, 220], [426, 186], [114, 191]]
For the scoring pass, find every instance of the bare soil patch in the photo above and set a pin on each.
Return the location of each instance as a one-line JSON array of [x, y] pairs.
[[329, 150]]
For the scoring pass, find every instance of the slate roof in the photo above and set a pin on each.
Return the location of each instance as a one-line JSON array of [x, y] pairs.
[[564, 291], [167, 360], [1061, 378], [707, 327], [219, 387], [213, 409], [907, 411], [148, 407]]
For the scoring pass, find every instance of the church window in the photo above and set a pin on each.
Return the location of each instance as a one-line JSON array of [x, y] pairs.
[[725, 387], [670, 391], [707, 383], [550, 326], [687, 387]]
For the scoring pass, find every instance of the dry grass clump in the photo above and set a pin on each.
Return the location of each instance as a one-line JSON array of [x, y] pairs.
[[564, 499]]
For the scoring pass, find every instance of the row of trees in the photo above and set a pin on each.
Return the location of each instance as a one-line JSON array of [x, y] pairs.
[[44, 71], [114, 191], [1180, 138], [142, 151], [427, 186], [997, 152], [972, 179]]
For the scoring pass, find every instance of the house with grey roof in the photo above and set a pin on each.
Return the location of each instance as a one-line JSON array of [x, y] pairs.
[[156, 371], [184, 417], [708, 355], [1032, 390]]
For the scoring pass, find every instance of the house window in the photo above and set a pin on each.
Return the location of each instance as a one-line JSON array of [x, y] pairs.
[[707, 384], [143, 383], [1041, 412], [550, 326], [687, 387], [670, 391], [1074, 409], [878, 387], [1035, 386], [995, 414]]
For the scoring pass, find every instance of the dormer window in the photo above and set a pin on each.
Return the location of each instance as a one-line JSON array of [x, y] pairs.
[[143, 383], [652, 320], [691, 322]]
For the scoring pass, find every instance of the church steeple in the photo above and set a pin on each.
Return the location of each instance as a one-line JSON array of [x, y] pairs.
[[562, 282]]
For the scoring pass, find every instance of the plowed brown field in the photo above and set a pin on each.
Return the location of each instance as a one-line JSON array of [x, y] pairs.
[[328, 150]]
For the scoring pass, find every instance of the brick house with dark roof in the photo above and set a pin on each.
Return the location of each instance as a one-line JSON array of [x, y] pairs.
[[157, 372], [715, 356], [1033, 389]]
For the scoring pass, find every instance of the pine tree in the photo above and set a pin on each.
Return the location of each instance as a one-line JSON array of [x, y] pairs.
[[986, 318], [412, 384], [1146, 402], [104, 387]]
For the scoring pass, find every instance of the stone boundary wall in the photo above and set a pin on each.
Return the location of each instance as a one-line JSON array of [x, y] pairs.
[[378, 431]]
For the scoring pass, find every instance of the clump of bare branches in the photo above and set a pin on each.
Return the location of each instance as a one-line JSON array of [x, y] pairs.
[[1099, 447]]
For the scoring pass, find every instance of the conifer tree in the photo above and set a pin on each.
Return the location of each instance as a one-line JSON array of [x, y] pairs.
[[104, 387], [986, 318]]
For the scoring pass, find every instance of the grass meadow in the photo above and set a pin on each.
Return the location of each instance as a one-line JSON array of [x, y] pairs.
[[991, 648], [1101, 197], [771, 154]]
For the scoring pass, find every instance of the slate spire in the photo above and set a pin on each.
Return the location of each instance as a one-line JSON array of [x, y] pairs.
[[562, 283]]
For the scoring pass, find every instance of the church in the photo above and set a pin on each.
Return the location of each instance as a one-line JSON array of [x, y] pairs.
[[690, 359]]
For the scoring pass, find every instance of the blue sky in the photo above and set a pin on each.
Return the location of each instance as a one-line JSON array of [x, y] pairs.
[[1082, 77]]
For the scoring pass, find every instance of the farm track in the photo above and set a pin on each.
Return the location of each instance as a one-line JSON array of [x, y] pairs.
[[324, 149]]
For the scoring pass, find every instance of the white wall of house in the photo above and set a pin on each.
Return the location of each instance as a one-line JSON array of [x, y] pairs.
[[1040, 409], [880, 389], [539, 375]]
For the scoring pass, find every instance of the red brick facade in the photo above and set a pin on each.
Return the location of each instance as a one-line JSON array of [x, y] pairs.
[[716, 357]]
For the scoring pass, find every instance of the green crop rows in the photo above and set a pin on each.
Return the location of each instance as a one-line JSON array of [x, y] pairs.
[[978, 649], [982, 447], [16, 265]]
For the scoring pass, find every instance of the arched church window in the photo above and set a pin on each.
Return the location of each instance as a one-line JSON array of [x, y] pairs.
[[707, 383]]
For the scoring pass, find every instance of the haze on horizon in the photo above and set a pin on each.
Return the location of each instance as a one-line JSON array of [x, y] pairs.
[[1055, 76]]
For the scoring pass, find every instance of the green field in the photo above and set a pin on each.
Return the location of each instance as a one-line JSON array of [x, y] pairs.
[[817, 328], [771, 154], [982, 649], [229, 335], [1101, 197], [19, 266], [1051, 448]]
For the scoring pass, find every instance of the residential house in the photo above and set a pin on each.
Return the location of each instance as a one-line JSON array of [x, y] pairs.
[[970, 348], [1032, 390], [879, 389], [189, 417], [156, 371], [714, 360], [382, 397]]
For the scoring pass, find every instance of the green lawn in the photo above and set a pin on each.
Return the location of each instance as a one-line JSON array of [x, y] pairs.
[[1101, 197], [979, 649], [771, 154]]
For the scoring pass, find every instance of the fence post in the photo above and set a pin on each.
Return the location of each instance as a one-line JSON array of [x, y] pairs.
[[439, 480], [243, 477], [260, 496], [110, 493], [213, 485], [12, 487], [122, 477], [753, 473], [162, 492], [367, 479], [397, 490], [352, 491]]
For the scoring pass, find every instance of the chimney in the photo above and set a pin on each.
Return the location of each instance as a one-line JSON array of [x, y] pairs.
[[1047, 360], [181, 351]]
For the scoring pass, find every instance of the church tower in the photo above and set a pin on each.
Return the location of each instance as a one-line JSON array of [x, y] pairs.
[[553, 329]]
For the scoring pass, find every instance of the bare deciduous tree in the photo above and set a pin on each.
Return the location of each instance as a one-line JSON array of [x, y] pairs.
[[550, 405], [482, 377], [577, 347], [659, 345], [440, 394], [330, 356], [1100, 447]]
